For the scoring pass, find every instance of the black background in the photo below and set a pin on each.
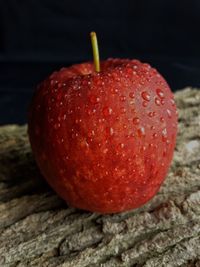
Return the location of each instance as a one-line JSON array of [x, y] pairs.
[[39, 36]]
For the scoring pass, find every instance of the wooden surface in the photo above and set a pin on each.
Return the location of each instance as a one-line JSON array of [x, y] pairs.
[[38, 229]]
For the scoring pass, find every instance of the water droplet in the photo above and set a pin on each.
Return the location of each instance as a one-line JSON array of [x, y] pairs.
[[92, 133], [145, 104], [160, 93], [125, 126], [151, 114], [136, 120], [142, 82], [88, 111], [70, 111], [146, 96], [151, 145], [169, 114], [162, 102], [84, 82], [114, 91], [121, 145], [152, 127], [122, 98], [56, 126], [172, 102], [157, 101], [155, 135], [107, 111], [143, 148], [123, 110], [131, 95], [117, 118], [94, 99], [110, 131], [167, 142], [141, 131], [164, 135], [105, 150], [162, 119]]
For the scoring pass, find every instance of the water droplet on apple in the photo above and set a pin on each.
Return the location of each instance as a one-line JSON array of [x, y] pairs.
[[56, 126], [122, 98], [110, 131], [145, 103], [169, 114], [143, 148], [145, 96], [59, 85], [114, 90], [84, 82], [155, 135], [160, 93], [123, 110], [136, 120], [107, 111], [141, 131], [131, 95], [172, 102], [121, 145], [94, 99], [151, 114], [157, 101], [142, 82], [162, 102], [105, 150], [164, 135], [162, 119]]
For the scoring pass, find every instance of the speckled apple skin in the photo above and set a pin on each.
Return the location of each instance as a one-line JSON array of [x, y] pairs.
[[104, 141]]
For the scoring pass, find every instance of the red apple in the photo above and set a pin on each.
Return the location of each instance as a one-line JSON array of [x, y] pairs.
[[104, 140]]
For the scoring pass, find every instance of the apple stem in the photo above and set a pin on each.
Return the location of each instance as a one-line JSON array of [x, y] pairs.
[[95, 50]]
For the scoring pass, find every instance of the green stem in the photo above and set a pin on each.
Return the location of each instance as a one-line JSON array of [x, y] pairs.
[[95, 50]]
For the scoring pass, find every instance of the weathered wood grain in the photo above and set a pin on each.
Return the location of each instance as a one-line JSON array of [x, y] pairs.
[[38, 229]]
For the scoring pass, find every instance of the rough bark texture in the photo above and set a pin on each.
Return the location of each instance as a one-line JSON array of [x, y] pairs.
[[38, 229]]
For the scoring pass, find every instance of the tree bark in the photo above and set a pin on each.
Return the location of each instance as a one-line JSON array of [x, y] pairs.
[[38, 229]]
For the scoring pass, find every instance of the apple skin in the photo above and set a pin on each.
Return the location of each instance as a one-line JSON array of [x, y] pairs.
[[104, 141]]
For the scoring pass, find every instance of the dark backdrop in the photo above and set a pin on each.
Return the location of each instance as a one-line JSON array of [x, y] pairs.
[[38, 36]]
